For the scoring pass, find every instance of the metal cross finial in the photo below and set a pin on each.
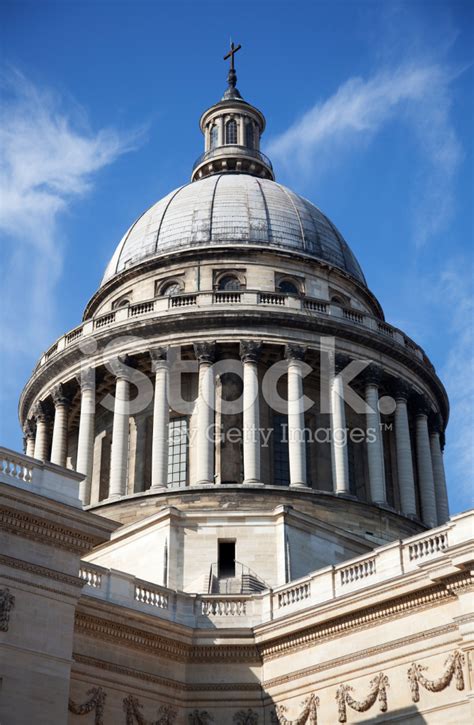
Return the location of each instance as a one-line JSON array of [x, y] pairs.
[[231, 53]]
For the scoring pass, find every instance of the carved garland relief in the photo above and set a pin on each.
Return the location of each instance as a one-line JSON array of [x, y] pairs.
[[309, 714]]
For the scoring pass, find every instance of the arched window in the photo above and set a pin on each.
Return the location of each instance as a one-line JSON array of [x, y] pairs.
[[229, 283], [122, 302], [170, 289], [213, 136], [288, 287], [231, 132], [249, 135], [337, 300]]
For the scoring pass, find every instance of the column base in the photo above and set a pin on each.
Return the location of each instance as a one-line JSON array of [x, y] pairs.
[[299, 484], [201, 483], [156, 489], [346, 494], [252, 482]]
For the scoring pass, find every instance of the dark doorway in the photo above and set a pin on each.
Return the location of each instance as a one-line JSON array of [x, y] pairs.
[[226, 559]]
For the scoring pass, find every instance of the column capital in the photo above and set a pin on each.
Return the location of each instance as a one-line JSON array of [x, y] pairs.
[[41, 413], [123, 366], [341, 360], [205, 351], [250, 350], [29, 428], [159, 358], [59, 396], [86, 380], [400, 389], [295, 352], [422, 405], [372, 375]]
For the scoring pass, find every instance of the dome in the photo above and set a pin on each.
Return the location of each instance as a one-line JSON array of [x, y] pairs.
[[234, 209]]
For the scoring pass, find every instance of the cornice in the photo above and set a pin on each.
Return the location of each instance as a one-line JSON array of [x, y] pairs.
[[47, 532], [129, 636], [363, 618], [43, 571], [361, 654]]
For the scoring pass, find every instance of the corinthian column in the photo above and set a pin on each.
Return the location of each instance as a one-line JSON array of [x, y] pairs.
[[29, 438], [205, 353], [339, 461], [425, 467], [120, 431], [42, 431], [161, 417], [59, 444], [296, 429], [442, 506], [375, 454], [406, 479], [85, 441], [249, 352]]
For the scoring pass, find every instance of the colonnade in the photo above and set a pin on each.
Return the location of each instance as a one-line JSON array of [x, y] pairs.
[[427, 454]]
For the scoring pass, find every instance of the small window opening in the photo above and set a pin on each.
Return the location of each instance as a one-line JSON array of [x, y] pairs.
[[229, 283], [337, 300], [226, 559], [231, 132], [213, 136], [173, 288], [288, 287]]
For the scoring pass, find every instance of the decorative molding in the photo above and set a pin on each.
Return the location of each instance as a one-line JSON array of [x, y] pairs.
[[453, 666], [45, 531], [40, 412], [360, 619], [19, 564], [172, 649], [7, 602], [159, 358], [132, 707], [29, 429], [378, 691], [422, 405], [243, 717], [96, 703], [86, 380], [309, 713], [200, 717]]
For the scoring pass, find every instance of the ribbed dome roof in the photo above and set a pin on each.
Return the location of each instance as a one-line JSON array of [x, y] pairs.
[[232, 209]]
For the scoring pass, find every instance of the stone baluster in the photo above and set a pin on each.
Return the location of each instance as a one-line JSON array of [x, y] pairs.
[[85, 441], [120, 430], [442, 505], [42, 431], [59, 442], [161, 418], [406, 479], [339, 459], [296, 428], [250, 352], [425, 466], [205, 354], [29, 438], [375, 454]]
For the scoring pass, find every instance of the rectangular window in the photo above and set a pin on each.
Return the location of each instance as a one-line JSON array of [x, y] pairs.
[[281, 461], [226, 559], [178, 452]]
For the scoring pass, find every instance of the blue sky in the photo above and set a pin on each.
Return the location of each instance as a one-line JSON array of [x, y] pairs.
[[369, 109]]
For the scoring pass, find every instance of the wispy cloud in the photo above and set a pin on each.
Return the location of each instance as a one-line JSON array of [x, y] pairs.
[[415, 94], [48, 158]]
